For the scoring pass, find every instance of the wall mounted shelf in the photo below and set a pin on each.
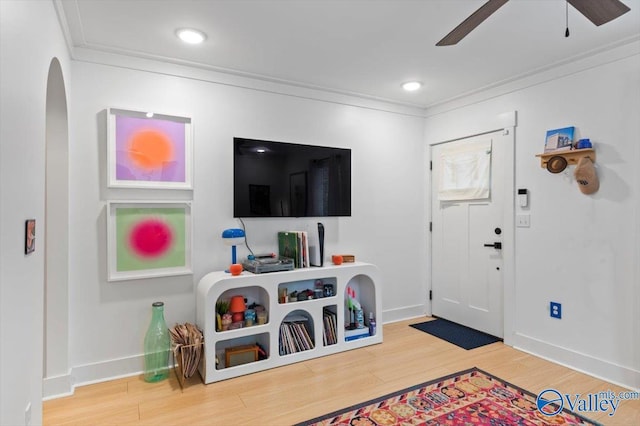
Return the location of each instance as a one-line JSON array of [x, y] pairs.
[[572, 156]]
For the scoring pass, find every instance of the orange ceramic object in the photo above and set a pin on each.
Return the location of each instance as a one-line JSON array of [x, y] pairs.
[[235, 269], [237, 307]]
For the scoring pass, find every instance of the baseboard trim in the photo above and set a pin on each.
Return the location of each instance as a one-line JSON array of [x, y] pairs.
[[587, 364], [87, 374], [108, 370], [57, 386], [404, 313]]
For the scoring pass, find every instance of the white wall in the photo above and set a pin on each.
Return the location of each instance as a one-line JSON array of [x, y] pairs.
[[25, 58], [108, 320], [581, 251]]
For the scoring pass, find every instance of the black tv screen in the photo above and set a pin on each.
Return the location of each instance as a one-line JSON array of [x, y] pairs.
[[278, 179]]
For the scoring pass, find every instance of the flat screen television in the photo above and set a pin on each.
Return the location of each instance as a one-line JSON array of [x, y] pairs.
[[278, 179]]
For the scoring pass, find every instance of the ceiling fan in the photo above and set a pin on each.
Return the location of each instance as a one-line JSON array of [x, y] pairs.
[[597, 11]]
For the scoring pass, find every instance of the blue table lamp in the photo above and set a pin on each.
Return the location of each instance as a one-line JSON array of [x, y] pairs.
[[232, 237]]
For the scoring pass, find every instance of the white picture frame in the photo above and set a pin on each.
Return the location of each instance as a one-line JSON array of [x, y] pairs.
[[147, 239], [148, 150]]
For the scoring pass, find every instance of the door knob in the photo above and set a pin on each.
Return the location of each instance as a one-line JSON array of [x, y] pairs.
[[497, 245]]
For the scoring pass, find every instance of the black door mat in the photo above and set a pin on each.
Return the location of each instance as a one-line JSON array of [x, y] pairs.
[[459, 335]]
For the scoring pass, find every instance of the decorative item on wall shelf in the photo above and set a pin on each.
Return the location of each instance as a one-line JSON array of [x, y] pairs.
[[586, 176], [148, 150], [556, 164], [559, 139], [148, 239]]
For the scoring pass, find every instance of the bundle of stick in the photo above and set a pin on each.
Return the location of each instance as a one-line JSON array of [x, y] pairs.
[[188, 341]]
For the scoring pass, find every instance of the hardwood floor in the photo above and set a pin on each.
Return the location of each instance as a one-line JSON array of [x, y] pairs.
[[290, 394]]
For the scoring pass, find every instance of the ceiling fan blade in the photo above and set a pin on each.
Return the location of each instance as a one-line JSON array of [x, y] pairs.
[[600, 11], [475, 19]]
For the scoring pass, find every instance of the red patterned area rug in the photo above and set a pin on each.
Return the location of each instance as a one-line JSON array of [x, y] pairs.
[[471, 397]]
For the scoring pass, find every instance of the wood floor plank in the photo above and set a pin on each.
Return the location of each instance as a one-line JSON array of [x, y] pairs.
[[297, 392]]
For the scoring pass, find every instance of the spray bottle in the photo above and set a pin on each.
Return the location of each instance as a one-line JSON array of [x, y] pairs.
[[372, 324]]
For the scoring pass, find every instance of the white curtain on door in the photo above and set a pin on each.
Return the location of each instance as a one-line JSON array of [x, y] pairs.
[[465, 172]]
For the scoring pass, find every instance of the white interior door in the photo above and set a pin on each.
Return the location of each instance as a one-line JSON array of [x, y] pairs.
[[467, 231]]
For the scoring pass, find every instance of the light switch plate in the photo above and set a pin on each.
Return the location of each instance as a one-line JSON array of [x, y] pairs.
[[523, 220]]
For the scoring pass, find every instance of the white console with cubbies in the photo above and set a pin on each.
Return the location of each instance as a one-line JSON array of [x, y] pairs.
[[265, 289]]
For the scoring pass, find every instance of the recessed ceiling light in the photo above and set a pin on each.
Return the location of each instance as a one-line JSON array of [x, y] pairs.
[[261, 150], [149, 115], [191, 36], [412, 86]]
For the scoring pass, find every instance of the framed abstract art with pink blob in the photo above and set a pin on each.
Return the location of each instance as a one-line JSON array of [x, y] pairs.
[[148, 239], [148, 150]]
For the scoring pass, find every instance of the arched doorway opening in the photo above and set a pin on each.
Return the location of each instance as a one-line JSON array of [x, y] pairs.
[[56, 288]]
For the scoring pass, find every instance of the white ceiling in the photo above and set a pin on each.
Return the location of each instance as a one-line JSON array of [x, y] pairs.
[[363, 47]]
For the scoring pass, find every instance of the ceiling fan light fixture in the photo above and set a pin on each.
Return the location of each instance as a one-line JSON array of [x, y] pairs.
[[191, 36], [411, 86]]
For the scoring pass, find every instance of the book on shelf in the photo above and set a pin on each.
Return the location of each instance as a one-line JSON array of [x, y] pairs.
[[306, 338], [301, 337], [356, 333], [288, 343], [294, 245], [329, 330], [284, 341], [288, 246], [294, 337], [305, 249]]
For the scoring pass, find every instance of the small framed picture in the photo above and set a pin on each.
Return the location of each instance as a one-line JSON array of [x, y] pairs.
[[559, 139], [29, 236]]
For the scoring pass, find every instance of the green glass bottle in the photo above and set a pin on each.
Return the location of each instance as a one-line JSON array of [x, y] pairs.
[[157, 344]]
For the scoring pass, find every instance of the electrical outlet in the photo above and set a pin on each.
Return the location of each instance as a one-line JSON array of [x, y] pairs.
[[27, 415], [555, 310]]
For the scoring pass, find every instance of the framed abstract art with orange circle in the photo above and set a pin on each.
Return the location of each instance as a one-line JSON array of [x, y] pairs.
[[148, 239], [149, 150]]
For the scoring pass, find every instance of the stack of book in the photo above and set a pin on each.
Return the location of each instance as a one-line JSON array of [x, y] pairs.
[[294, 245], [329, 336], [294, 337]]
